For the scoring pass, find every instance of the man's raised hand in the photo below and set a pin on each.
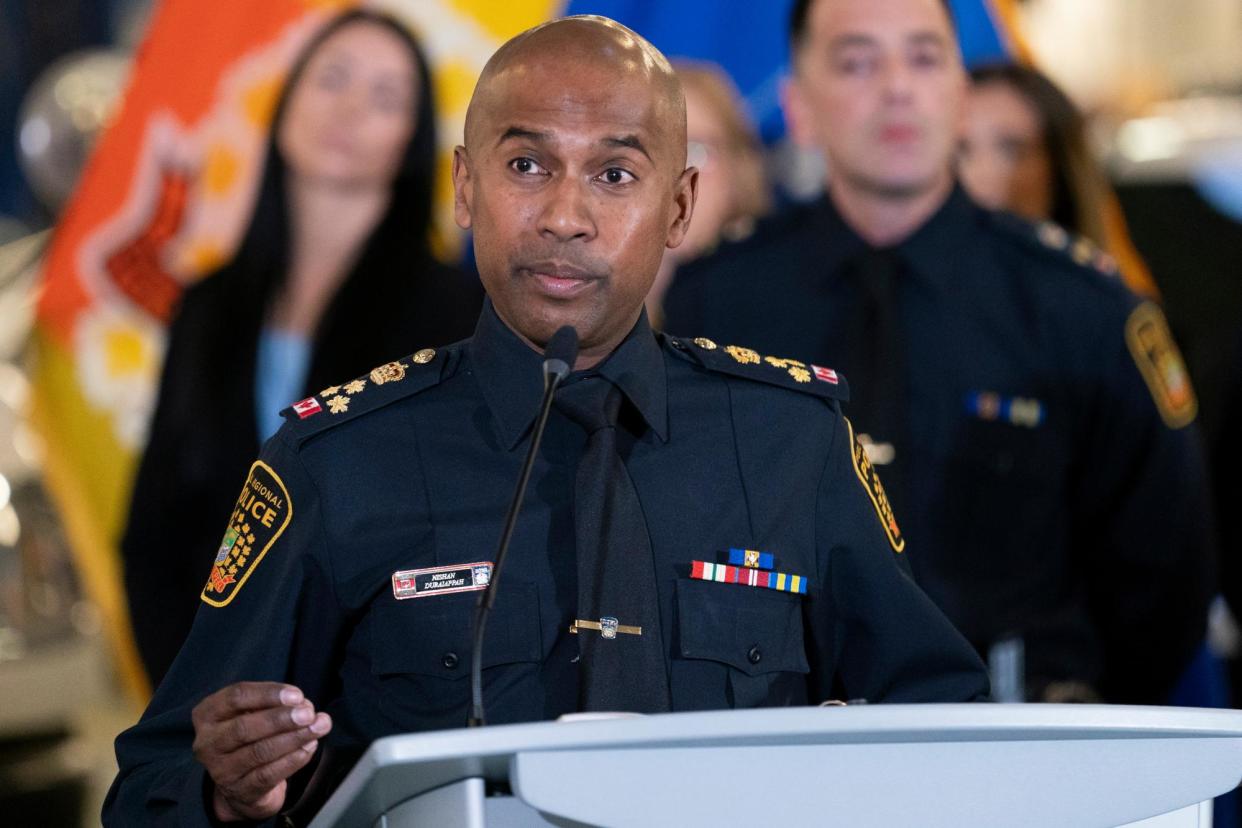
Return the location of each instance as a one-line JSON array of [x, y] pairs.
[[251, 737]]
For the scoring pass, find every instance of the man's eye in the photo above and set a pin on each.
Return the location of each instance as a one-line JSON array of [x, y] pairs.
[[855, 65], [928, 60], [525, 166], [616, 175]]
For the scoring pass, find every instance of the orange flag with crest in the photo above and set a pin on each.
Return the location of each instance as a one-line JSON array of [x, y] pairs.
[[164, 200]]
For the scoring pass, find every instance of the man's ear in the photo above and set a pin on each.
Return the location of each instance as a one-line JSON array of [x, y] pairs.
[[685, 193], [794, 105], [461, 188]]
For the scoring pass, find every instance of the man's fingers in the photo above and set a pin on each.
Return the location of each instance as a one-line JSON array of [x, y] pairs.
[[245, 696], [256, 784], [265, 751], [252, 728]]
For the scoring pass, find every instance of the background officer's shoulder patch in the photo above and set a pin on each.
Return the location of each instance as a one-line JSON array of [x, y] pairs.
[[385, 384], [260, 516], [1160, 362], [870, 479], [744, 362]]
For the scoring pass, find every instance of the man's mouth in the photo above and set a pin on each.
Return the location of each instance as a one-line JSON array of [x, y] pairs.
[[558, 280], [899, 134]]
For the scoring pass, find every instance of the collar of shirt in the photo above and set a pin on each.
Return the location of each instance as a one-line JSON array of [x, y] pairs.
[[510, 375], [932, 252]]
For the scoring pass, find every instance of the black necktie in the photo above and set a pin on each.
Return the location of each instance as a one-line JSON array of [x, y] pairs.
[[619, 669], [874, 362]]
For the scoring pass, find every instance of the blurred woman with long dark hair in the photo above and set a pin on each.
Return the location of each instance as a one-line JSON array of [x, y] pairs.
[[1025, 149], [333, 276]]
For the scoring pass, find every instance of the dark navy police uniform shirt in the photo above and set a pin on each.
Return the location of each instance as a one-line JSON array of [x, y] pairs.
[[1054, 489], [412, 468]]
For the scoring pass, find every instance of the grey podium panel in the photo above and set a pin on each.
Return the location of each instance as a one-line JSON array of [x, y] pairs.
[[961, 765]]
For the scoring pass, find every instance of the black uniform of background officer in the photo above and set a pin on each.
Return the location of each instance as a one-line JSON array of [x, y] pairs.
[[1032, 414], [572, 180]]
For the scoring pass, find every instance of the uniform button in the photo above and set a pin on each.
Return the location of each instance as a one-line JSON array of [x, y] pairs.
[[449, 661], [754, 655]]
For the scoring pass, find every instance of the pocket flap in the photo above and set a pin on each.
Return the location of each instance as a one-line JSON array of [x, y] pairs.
[[434, 635], [754, 630]]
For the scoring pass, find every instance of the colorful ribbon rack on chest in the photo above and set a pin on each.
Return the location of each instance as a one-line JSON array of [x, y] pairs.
[[726, 574]]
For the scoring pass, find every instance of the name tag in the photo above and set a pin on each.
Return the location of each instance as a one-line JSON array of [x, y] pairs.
[[441, 580]]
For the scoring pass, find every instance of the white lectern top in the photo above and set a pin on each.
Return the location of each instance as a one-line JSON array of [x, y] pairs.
[[883, 765]]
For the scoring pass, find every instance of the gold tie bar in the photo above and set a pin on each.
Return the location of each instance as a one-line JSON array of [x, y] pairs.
[[606, 626]]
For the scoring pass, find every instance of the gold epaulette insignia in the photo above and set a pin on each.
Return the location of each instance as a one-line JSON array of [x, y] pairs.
[[743, 355], [796, 369], [799, 372], [1052, 235], [392, 372]]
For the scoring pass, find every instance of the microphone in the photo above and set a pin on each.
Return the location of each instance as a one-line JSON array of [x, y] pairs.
[[559, 356]]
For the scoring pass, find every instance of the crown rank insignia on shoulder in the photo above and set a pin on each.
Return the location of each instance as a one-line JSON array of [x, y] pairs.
[[749, 363], [382, 385]]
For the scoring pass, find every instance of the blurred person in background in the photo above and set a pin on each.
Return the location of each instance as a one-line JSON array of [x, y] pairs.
[[1032, 416], [733, 185], [333, 275], [1024, 148]]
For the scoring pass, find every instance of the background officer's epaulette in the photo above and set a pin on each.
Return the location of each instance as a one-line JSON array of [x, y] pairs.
[[743, 362], [1054, 240], [387, 383]]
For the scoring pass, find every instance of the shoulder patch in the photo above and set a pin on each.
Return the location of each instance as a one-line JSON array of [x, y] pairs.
[[744, 362], [385, 384], [870, 479], [1160, 362], [1059, 242], [260, 516]]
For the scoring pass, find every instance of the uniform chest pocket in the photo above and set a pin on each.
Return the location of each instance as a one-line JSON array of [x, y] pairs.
[[433, 636], [744, 643], [1001, 453], [1000, 510]]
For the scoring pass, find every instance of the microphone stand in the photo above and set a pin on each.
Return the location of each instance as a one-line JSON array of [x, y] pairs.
[[555, 369]]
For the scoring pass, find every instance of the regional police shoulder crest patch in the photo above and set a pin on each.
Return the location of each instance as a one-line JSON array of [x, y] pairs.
[[870, 480], [262, 512], [1160, 363]]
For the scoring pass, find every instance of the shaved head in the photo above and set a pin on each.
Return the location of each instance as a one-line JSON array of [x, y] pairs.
[[573, 179], [575, 44]]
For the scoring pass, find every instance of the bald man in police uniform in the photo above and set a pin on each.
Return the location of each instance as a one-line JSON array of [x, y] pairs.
[[766, 567], [1032, 419]]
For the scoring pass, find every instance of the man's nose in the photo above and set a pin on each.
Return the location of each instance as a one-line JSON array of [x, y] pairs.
[[567, 212], [897, 78]]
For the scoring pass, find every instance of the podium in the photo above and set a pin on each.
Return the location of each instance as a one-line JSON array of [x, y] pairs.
[[870, 765]]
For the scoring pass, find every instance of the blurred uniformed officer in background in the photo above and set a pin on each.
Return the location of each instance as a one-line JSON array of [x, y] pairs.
[[1032, 418], [702, 530]]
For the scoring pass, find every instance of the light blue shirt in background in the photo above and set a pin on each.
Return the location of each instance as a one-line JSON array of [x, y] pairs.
[[279, 377]]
